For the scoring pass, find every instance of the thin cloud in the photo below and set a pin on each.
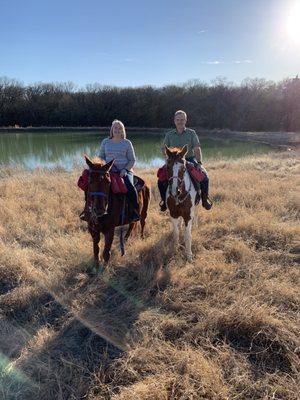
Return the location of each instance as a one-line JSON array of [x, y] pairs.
[[243, 62], [216, 62], [200, 32], [128, 59]]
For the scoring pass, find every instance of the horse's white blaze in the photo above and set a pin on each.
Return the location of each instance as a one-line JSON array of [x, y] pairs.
[[175, 180]]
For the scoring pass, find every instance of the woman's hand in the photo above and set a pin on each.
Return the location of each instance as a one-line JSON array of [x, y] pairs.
[[123, 173]]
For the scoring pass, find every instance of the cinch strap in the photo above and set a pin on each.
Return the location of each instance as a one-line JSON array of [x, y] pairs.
[[101, 194]]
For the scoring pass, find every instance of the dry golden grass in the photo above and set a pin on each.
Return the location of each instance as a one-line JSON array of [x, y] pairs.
[[153, 326]]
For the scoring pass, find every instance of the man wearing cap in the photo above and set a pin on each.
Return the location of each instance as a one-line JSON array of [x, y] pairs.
[[178, 138]]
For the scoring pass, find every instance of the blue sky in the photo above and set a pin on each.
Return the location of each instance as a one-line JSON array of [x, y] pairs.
[[133, 43]]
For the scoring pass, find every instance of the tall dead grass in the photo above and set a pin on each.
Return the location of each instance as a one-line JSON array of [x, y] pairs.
[[153, 326]]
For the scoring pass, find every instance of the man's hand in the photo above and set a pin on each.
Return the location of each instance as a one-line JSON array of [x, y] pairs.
[[123, 173], [198, 154]]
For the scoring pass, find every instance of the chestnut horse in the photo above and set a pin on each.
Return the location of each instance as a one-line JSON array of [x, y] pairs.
[[107, 208], [180, 196]]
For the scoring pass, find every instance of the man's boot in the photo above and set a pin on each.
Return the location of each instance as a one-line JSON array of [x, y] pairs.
[[162, 186], [198, 190], [163, 205], [206, 202]]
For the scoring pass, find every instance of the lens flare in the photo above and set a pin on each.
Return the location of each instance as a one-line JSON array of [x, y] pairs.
[[293, 23]]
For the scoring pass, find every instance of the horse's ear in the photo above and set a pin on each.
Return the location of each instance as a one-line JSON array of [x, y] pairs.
[[88, 161], [167, 151], [107, 167], [183, 151]]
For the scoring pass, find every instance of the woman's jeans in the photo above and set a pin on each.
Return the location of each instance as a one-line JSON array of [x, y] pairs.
[[132, 193]]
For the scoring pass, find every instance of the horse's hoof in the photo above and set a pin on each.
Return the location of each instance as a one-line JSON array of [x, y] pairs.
[[92, 271], [100, 271], [190, 258]]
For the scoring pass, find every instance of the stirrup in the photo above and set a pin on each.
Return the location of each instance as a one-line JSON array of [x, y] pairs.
[[163, 206], [207, 203], [83, 216]]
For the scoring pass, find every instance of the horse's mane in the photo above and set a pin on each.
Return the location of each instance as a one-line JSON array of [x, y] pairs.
[[98, 162], [175, 150]]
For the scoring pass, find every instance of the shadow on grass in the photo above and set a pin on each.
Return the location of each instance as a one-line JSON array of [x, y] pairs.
[[62, 365]]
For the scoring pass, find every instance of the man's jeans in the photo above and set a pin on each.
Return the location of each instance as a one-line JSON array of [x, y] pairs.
[[204, 185]]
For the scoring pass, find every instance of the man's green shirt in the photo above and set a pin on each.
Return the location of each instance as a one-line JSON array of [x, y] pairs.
[[188, 136]]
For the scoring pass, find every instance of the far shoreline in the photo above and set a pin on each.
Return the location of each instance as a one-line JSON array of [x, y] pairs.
[[281, 139]]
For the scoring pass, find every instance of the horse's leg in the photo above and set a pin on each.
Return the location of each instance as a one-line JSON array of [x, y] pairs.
[[109, 237], [146, 194], [175, 231], [129, 230], [143, 223], [96, 239], [188, 239]]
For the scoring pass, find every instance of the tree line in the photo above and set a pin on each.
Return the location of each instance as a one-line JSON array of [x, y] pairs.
[[253, 105]]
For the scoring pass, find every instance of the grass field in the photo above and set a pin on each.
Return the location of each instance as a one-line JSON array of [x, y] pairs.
[[153, 326]]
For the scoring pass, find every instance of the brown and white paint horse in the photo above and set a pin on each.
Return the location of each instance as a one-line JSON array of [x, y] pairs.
[[180, 196]]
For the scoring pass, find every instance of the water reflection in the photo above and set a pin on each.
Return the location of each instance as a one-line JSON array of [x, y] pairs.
[[66, 149]]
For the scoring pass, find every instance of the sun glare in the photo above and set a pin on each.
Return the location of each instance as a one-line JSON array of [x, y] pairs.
[[293, 23]]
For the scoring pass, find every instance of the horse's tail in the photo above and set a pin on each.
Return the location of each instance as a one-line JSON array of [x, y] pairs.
[[146, 196]]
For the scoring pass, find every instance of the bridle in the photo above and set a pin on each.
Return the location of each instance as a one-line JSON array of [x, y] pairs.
[[180, 181], [94, 213]]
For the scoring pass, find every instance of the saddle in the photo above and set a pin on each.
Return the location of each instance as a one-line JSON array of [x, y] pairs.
[[195, 174], [119, 186], [118, 189], [138, 182]]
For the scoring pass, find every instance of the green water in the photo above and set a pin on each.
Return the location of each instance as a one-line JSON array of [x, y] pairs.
[[65, 149]]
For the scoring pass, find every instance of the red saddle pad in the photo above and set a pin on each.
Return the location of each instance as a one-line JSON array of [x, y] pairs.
[[162, 173], [197, 174], [117, 183]]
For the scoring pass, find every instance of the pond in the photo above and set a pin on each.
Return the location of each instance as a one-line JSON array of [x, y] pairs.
[[65, 149]]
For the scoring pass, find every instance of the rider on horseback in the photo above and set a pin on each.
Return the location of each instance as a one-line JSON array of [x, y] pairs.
[[120, 149], [116, 147], [178, 138]]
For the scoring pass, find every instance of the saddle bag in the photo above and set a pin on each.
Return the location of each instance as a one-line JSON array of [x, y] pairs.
[[117, 183], [195, 173], [83, 180]]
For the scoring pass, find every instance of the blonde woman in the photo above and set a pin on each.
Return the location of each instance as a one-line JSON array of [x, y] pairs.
[[117, 147]]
